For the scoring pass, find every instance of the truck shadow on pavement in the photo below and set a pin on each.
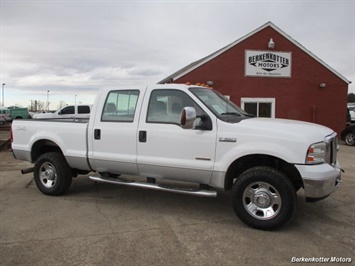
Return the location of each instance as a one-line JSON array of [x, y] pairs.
[[123, 201]]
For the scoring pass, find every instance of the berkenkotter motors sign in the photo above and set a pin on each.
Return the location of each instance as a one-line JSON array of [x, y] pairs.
[[267, 64]]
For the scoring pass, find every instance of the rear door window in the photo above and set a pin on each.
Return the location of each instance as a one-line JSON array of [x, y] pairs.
[[120, 106], [83, 109]]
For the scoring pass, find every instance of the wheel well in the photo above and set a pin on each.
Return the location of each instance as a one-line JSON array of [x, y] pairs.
[[244, 163], [43, 146]]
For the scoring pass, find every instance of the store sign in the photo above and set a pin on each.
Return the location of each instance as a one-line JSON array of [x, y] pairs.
[[267, 64]]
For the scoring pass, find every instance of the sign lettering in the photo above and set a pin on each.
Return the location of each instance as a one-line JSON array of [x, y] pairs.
[[267, 63]]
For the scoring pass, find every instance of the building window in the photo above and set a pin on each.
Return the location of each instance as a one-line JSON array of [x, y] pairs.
[[259, 107]]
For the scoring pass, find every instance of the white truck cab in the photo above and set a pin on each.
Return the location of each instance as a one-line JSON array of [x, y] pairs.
[[175, 134], [67, 112]]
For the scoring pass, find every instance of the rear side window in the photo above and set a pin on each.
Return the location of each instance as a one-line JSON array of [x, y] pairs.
[[120, 106], [83, 109]]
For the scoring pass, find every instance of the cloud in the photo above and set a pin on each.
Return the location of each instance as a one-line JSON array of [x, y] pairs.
[[80, 46]]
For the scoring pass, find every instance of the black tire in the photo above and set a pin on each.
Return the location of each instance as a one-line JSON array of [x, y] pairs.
[[52, 174], [264, 198], [350, 139]]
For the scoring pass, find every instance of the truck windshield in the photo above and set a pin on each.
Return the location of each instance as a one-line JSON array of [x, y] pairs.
[[218, 104]]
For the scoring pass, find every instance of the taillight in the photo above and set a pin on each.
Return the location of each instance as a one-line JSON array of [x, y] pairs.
[[11, 135]]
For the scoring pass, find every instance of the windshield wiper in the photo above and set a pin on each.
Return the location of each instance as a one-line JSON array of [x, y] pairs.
[[231, 113]]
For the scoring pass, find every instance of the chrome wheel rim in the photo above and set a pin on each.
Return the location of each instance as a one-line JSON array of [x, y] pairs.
[[350, 139], [262, 201], [48, 175]]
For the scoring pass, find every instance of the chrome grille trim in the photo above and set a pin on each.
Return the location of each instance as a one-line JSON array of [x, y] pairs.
[[331, 148]]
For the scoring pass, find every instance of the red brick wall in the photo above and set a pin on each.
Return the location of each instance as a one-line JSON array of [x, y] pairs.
[[298, 97]]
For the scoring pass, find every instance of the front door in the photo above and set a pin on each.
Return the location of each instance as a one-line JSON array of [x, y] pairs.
[[165, 150]]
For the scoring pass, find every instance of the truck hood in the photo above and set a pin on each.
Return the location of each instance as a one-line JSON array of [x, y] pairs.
[[285, 139], [288, 128]]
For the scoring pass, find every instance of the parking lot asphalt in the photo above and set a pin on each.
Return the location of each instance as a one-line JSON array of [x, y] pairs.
[[103, 224], [4, 135]]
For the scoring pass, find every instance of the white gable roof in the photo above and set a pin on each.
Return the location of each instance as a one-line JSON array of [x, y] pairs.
[[204, 60]]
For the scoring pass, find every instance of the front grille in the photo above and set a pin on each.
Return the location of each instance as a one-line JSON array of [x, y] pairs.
[[332, 149]]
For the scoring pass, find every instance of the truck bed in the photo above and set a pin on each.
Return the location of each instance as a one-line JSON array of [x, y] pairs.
[[70, 136]]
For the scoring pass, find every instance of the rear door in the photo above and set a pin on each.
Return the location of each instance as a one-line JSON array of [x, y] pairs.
[[114, 134]]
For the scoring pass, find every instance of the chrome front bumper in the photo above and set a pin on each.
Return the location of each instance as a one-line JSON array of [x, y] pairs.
[[319, 181]]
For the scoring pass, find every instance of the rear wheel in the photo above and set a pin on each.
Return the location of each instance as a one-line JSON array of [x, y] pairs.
[[52, 174], [264, 198]]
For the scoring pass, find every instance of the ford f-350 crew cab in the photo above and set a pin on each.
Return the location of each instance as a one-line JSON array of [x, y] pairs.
[[185, 139]]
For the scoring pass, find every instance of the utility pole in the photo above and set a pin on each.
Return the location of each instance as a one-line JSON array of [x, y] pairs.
[[48, 100], [3, 99]]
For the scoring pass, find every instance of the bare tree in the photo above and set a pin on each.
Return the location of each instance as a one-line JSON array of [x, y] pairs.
[[61, 104], [40, 106], [351, 98]]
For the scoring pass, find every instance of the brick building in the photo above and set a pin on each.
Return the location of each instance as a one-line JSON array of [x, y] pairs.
[[270, 74]]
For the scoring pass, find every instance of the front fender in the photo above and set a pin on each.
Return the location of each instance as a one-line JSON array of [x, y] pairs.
[[226, 154]]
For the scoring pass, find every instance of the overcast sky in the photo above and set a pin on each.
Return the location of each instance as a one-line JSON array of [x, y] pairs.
[[77, 47]]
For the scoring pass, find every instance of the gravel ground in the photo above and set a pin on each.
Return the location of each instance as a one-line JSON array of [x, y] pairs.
[[102, 224]]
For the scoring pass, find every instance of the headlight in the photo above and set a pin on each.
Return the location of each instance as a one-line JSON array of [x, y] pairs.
[[316, 153]]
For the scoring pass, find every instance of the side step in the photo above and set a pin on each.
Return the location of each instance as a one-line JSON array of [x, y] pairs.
[[190, 191]]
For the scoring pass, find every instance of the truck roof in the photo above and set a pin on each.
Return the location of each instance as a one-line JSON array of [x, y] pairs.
[[161, 86], [179, 85]]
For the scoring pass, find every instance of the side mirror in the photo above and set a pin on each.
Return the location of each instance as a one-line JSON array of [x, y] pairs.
[[187, 118]]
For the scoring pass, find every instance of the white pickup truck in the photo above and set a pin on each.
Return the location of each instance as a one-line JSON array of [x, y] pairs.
[[185, 139], [68, 112]]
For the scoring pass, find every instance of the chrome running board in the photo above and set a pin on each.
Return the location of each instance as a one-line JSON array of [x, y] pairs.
[[169, 188]]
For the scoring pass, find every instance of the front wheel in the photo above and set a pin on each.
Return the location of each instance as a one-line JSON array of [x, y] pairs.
[[52, 174], [264, 198]]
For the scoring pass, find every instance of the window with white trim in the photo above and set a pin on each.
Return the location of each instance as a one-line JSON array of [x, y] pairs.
[[259, 107]]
